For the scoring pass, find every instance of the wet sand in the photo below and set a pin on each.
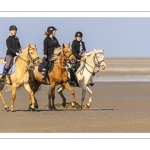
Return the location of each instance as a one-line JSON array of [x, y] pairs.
[[117, 107]]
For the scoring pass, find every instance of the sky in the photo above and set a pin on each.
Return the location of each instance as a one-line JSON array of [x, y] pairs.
[[118, 36]]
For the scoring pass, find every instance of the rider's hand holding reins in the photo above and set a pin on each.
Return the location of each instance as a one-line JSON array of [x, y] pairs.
[[83, 59], [17, 54]]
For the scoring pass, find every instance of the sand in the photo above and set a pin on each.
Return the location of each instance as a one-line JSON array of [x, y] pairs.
[[117, 107]]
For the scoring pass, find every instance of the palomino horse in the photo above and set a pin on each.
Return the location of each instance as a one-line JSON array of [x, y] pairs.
[[57, 76], [84, 74], [20, 77]]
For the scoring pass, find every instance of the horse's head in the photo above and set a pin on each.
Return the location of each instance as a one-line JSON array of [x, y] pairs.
[[33, 54], [99, 58], [68, 52]]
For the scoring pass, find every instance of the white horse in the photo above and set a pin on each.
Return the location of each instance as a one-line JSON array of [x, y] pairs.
[[85, 73]]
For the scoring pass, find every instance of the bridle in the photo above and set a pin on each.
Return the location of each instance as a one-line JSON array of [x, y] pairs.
[[67, 58], [33, 60], [96, 62], [30, 58]]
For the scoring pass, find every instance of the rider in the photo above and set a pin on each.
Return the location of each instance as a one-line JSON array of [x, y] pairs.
[[50, 43], [78, 48], [13, 48]]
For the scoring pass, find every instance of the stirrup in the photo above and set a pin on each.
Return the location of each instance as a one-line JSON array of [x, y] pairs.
[[71, 82], [2, 79], [91, 84], [43, 81]]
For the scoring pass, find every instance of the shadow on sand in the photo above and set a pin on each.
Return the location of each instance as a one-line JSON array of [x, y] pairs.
[[46, 110]]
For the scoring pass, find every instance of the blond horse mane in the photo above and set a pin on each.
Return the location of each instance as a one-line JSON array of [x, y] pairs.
[[57, 51], [95, 51]]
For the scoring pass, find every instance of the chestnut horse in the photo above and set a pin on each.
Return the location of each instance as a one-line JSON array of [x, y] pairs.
[[57, 76], [20, 77]]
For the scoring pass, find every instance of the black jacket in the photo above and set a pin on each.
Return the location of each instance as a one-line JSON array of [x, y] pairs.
[[49, 45], [13, 45], [76, 48]]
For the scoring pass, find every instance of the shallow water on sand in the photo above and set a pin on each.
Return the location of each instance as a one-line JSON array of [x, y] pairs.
[[122, 79]]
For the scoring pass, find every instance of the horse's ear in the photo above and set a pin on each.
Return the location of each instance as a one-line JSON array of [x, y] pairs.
[[69, 44], [63, 45], [94, 49], [34, 45], [29, 45]]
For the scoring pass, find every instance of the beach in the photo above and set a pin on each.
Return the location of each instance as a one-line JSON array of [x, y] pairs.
[[120, 104]]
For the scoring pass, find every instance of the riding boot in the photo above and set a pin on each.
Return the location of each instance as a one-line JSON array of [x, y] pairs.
[[91, 84], [71, 81], [5, 71], [43, 75]]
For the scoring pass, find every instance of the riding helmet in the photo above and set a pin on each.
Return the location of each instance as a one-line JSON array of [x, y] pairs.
[[51, 28], [78, 34], [13, 27]]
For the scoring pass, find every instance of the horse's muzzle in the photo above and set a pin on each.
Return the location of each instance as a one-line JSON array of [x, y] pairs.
[[72, 58], [103, 65]]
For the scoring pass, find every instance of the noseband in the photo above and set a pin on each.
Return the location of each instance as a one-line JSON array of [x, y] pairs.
[[97, 63]]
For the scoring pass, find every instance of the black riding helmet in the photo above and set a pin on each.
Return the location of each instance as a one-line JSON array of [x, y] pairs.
[[51, 28], [12, 27], [78, 34]]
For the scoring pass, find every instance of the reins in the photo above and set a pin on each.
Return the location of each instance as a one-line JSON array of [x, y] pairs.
[[96, 63], [30, 57]]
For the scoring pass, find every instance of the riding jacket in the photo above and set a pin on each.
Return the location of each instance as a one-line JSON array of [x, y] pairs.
[[13, 45], [49, 45], [78, 48]]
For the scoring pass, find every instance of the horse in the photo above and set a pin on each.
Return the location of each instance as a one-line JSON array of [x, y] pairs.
[[58, 75], [85, 74], [20, 77]]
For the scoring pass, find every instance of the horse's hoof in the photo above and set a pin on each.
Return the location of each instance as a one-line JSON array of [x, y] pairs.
[[6, 108], [64, 105], [32, 109], [88, 105], [36, 106], [13, 110], [29, 107], [73, 105], [83, 108], [50, 108], [54, 109]]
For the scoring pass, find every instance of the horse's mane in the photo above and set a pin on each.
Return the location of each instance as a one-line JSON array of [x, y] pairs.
[[57, 51], [88, 54]]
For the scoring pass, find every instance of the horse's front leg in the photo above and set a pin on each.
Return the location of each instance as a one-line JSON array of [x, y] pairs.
[[82, 99], [60, 91], [13, 96], [4, 102], [1, 96], [86, 88], [34, 87], [68, 87], [49, 99], [27, 87], [52, 86]]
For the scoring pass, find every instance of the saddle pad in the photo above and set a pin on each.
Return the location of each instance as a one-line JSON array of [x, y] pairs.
[[50, 66], [12, 69]]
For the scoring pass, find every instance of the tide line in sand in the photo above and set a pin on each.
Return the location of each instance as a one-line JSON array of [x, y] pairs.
[[122, 79]]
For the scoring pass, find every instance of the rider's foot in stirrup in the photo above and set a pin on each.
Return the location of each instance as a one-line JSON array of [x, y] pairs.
[[43, 81], [71, 82], [91, 84], [2, 79]]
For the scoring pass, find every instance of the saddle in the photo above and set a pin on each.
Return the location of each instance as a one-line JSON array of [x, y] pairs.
[[49, 68], [12, 66]]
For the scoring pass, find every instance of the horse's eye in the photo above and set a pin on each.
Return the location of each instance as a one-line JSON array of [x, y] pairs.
[[31, 53]]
